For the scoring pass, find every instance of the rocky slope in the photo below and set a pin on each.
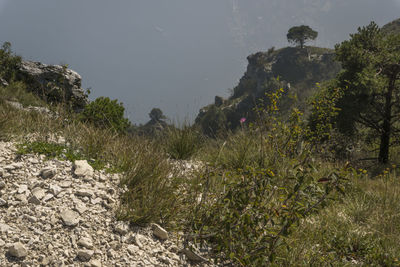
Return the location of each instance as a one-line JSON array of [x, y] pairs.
[[294, 69], [392, 27], [59, 213]]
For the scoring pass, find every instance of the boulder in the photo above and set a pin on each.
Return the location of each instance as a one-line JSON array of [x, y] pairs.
[[54, 83]]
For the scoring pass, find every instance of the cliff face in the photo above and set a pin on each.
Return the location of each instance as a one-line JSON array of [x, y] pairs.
[[295, 70]]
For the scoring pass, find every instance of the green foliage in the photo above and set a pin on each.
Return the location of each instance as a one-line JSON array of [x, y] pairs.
[[236, 151], [213, 122], [156, 114], [323, 113], [370, 77], [301, 34], [106, 113], [9, 62], [16, 91], [361, 229], [248, 209], [58, 151], [255, 213], [182, 142]]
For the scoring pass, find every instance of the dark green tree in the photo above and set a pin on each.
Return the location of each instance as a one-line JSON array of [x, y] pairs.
[[106, 113], [371, 83], [157, 115], [299, 35], [9, 62]]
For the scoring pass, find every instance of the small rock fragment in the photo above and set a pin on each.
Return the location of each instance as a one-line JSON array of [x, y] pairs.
[[193, 256], [34, 200], [66, 184], [84, 193], [48, 172], [159, 232], [85, 255], [82, 168], [95, 263], [39, 193], [3, 202], [132, 249], [121, 228], [17, 250], [69, 217], [85, 242], [55, 189], [5, 228], [48, 197], [22, 189]]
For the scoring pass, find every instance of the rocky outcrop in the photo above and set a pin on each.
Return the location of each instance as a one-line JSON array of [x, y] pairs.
[[295, 70], [54, 83], [52, 216]]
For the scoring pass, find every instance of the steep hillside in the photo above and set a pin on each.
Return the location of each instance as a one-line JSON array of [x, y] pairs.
[[392, 27], [294, 69]]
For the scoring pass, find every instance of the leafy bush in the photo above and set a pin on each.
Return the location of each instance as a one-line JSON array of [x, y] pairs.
[[258, 209], [247, 213], [106, 113]]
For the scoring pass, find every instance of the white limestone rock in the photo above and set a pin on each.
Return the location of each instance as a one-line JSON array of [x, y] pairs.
[[85, 242], [159, 232], [82, 168], [69, 218]]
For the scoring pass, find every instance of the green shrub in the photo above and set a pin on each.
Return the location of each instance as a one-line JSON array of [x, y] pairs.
[[106, 113]]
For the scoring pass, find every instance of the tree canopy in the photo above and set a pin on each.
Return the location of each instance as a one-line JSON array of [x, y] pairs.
[[370, 81], [299, 35], [156, 114]]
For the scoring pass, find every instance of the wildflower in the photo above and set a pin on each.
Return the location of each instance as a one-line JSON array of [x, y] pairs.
[[242, 120]]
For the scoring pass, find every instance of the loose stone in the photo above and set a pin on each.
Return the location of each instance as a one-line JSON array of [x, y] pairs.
[[17, 250]]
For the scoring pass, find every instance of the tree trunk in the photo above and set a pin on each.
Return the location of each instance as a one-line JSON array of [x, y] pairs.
[[387, 124]]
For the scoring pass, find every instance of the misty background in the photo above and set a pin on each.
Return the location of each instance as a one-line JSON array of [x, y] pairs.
[[172, 54]]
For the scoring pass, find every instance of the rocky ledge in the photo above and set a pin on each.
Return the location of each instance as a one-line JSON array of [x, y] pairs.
[[54, 83], [59, 213]]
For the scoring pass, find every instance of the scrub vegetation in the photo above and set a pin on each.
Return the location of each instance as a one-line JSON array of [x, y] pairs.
[[307, 189]]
